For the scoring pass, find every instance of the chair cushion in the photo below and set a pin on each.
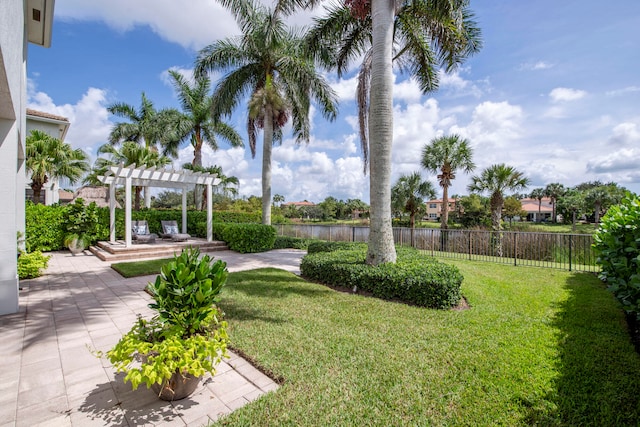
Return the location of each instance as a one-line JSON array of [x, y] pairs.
[[139, 229], [171, 229]]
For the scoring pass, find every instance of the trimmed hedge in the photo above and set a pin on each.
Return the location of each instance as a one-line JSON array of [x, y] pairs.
[[617, 242], [246, 238], [43, 227], [285, 242], [325, 246], [30, 265], [414, 278]]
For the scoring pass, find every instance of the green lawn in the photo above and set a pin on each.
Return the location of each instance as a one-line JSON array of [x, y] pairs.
[[140, 268], [537, 347]]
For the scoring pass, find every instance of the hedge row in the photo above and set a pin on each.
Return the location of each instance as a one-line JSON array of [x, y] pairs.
[[414, 278], [45, 224], [244, 238], [285, 242]]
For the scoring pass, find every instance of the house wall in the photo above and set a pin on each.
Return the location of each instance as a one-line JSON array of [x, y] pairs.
[[12, 130]]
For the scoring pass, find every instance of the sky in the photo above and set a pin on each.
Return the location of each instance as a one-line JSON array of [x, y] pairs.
[[554, 92]]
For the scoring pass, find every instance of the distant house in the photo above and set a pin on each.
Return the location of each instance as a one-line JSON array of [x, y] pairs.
[[434, 208], [302, 204], [530, 206], [57, 127], [64, 197], [99, 195]]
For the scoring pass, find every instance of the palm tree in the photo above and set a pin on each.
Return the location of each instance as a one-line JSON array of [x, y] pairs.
[[278, 198], [554, 191], [130, 153], [447, 154], [538, 194], [408, 195], [427, 34], [495, 180], [268, 62], [196, 124], [50, 158], [146, 126], [228, 185]]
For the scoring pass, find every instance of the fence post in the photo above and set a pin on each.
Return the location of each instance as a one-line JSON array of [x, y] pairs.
[[353, 234], [470, 244], [515, 248], [433, 243], [570, 247]]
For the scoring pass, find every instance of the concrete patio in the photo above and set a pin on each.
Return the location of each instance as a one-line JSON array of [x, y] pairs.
[[51, 378]]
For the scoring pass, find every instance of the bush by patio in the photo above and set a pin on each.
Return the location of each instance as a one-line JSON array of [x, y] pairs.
[[246, 238], [285, 242], [617, 242], [414, 278]]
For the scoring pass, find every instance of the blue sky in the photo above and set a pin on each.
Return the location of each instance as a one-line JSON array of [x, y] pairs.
[[554, 92]]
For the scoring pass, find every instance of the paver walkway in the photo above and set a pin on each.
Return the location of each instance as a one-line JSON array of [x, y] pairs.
[[49, 376]]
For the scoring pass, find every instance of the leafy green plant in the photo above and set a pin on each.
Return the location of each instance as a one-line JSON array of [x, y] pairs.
[[284, 242], [187, 335], [30, 265], [617, 242], [414, 278], [324, 246], [81, 224], [248, 238]]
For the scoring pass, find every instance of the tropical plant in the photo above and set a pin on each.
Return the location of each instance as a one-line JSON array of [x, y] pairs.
[[228, 185], [130, 153], [538, 194], [616, 242], [146, 126], [270, 63], [554, 191], [278, 199], [601, 197], [196, 124], [408, 194], [447, 154], [186, 337], [495, 180], [426, 35], [512, 209], [50, 158]]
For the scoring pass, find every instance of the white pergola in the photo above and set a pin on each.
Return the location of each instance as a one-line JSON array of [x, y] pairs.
[[132, 176]]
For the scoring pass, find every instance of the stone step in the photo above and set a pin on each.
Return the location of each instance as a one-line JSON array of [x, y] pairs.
[[107, 251]]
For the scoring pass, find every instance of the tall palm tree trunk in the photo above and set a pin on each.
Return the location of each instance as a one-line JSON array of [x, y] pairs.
[[267, 146], [539, 219], [381, 248], [444, 215], [496, 216], [37, 190], [197, 149]]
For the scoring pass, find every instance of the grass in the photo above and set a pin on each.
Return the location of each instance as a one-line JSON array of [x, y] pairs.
[[537, 347], [140, 268]]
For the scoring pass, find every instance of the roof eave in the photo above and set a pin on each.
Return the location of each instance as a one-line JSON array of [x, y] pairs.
[[39, 19]]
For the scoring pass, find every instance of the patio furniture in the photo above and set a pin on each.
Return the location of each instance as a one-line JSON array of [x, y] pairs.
[[170, 231], [140, 232]]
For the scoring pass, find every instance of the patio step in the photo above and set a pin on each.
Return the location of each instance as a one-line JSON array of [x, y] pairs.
[[116, 251]]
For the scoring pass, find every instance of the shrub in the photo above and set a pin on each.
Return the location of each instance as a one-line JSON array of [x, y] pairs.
[[82, 223], [284, 242], [30, 265], [43, 231], [617, 243], [414, 278], [324, 246], [248, 238]]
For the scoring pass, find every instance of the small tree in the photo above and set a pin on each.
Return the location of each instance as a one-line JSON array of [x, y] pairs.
[[512, 209], [50, 158], [408, 194]]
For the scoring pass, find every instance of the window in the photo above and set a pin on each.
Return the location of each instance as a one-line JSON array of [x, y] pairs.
[[433, 206], [432, 216]]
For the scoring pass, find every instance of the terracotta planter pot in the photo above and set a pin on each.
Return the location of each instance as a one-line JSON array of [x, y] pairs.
[[177, 387]]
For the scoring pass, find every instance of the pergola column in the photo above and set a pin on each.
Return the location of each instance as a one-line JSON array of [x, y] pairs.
[[112, 213], [209, 214], [127, 211], [184, 210]]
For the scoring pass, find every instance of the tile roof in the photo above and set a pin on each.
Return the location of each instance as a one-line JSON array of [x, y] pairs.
[[44, 115]]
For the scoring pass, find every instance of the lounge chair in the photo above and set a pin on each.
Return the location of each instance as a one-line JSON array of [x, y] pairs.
[[171, 231], [140, 232]]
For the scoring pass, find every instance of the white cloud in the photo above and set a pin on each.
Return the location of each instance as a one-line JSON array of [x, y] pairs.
[[192, 24], [561, 94], [625, 134], [626, 159], [536, 66], [457, 86], [629, 89], [89, 118], [406, 90], [187, 73]]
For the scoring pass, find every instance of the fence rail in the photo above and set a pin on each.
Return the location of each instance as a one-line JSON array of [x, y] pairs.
[[571, 252]]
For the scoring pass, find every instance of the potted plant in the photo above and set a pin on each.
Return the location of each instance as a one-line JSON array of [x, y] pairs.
[[186, 338], [76, 242]]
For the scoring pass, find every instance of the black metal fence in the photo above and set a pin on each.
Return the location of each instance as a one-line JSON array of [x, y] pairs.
[[552, 250]]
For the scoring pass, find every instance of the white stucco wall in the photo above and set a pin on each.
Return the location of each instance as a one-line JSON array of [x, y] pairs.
[[55, 130], [12, 130]]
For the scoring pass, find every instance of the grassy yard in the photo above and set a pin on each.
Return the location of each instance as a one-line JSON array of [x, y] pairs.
[[140, 268], [537, 347]]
